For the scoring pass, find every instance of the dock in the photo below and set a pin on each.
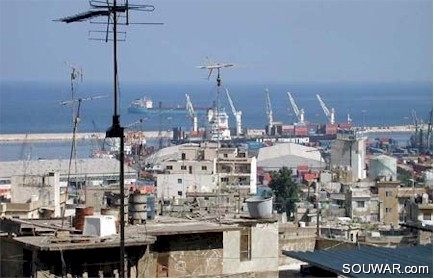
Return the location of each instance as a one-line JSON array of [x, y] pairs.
[[42, 137]]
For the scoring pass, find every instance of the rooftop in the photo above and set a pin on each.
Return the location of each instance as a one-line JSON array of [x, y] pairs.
[[335, 260], [42, 167], [289, 155]]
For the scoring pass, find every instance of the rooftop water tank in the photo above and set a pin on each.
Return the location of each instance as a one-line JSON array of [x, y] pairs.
[[99, 225], [260, 207]]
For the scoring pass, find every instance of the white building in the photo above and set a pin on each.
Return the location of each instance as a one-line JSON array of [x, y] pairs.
[[349, 152], [197, 168], [289, 155]]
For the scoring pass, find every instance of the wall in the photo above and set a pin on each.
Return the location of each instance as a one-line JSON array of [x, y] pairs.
[[185, 255], [168, 186], [295, 239], [387, 194], [264, 251], [11, 258]]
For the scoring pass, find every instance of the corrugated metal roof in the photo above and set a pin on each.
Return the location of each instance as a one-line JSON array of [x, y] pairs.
[[367, 257], [40, 167]]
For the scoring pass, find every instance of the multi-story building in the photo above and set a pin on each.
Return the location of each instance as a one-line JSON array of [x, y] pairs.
[[349, 152], [205, 168]]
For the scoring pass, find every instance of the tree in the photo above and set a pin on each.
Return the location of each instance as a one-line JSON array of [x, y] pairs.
[[285, 190]]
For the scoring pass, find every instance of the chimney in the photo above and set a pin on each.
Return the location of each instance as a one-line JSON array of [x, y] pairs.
[[54, 181]]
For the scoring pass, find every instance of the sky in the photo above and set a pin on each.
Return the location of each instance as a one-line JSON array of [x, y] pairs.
[[270, 41]]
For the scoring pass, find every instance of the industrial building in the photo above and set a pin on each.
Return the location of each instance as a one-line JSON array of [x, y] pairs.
[[290, 155], [81, 172]]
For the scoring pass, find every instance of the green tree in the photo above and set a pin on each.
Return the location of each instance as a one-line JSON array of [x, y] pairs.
[[285, 190]]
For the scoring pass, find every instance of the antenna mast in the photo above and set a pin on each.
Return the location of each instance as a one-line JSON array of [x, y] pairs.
[[217, 67], [113, 10]]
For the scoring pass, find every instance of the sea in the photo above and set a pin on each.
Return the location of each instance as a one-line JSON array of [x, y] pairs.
[[36, 107]]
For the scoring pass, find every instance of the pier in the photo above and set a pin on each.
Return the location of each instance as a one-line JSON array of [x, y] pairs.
[[41, 137]]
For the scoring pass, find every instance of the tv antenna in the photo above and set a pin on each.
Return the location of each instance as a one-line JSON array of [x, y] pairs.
[[211, 67], [73, 153], [117, 13], [215, 66]]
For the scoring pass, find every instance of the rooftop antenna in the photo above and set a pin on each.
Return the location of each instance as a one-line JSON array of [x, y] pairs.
[[117, 13], [73, 153], [211, 67]]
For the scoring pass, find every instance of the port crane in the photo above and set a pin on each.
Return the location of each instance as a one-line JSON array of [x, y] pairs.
[[329, 113], [269, 111], [298, 112], [237, 114], [191, 112]]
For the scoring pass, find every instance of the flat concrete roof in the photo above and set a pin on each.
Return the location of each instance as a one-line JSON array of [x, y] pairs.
[[80, 242]]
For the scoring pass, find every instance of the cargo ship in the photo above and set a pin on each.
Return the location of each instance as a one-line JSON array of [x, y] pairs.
[[145, 105]]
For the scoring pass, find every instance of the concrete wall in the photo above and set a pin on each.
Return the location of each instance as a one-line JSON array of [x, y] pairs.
[[295, 239], [264, 250], [184, 166], [11, 258], [168, 186], [388, 195], [192, 255]]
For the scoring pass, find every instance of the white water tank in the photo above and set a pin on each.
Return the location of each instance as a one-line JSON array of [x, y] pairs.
[[383, 166], [99, 225], [428, 177]]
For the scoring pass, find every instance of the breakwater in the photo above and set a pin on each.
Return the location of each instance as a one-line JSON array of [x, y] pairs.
[[151, 134], [61, 136]]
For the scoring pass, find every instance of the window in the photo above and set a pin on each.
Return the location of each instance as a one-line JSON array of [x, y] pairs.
[[180, 193], [427, 216], [204, 168], [360, 204], [224, 179], [169, 167], [225, 155], [246, 244], [179, 181], [183, 167], [182, 156], [389, 193], [388, 209]]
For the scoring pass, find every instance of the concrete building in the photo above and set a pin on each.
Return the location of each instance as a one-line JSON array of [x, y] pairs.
[[348, 151], [90, 171], [198, 168], [35, 196], [388, 202], [358, 204], [170, 247]]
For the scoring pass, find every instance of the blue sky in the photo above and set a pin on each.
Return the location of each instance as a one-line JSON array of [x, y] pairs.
[[271, 41]]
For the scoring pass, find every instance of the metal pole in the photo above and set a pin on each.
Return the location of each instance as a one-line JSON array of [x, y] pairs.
[[115, 62], [122, 209]]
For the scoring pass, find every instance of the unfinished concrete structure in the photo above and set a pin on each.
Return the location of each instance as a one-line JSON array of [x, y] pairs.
[[169, 247]]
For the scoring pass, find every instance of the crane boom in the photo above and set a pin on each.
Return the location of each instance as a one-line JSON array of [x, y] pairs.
[[298, 113], [268, 110], [330, 114], [237, 114], [191, 112]]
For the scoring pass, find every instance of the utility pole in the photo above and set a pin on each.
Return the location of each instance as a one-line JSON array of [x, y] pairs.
[[113, 10]]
